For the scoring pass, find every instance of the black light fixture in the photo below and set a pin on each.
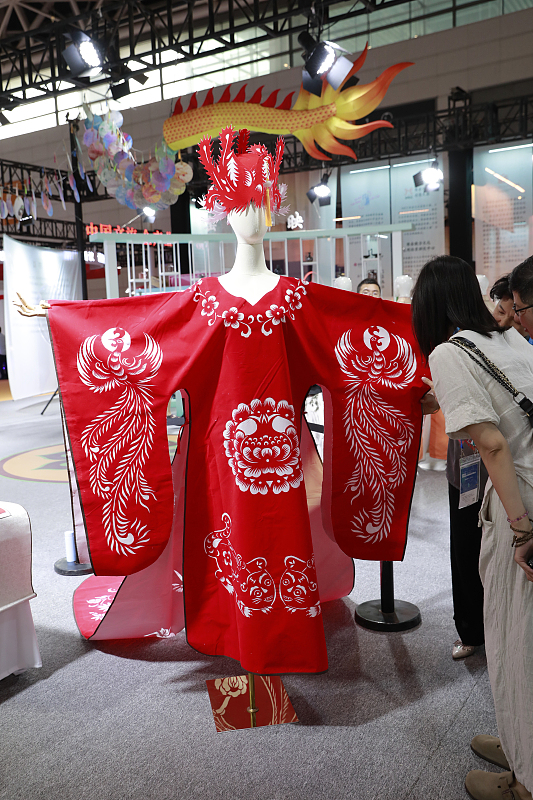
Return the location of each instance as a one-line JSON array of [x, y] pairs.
[[320, 190], [140, 77], [83, 56], [322, 61], [430, 178], [121, 78], [3, 119], [120, 90]]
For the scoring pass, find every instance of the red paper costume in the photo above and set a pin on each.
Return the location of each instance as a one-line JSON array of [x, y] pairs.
[[238, 504], [242, 501]]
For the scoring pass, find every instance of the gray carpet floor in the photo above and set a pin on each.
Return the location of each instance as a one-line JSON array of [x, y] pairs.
[[391, 719]]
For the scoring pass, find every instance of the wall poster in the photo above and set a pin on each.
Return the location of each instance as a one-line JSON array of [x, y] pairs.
[[380, 194], [425, 210], [502, 207]]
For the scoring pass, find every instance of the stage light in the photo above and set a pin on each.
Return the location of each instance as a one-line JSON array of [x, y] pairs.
[[322, 61], [83, 56], [120, 90], [140, 77], [322, 191], [432, 175], [89, 53], [430, 178], [148, 212]]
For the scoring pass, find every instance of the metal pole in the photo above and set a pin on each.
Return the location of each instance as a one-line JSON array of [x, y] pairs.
[[252, 710], [387, 587], [78, 209]]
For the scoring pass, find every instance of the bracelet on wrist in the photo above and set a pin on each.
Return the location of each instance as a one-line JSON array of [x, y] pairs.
[[521, 531], [526, 536], [517, 519]]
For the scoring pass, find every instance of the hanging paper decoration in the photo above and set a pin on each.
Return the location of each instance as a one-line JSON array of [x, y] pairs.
[[3, 209], [9, 204], [158, 181], [47, 203], [60, 192], [18, 208], [74, 188]]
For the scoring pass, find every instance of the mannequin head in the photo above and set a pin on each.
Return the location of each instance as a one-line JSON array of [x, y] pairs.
[[249, 225]]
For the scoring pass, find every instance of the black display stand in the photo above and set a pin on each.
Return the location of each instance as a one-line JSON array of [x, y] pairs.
[[64, 567], [387, 614], [46, 406]]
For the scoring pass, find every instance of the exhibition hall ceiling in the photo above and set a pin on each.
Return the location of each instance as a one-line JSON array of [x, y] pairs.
[[154, 35]]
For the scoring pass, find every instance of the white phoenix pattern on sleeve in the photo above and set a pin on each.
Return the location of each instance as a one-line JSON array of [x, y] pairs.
[[118, 441], [379, 434]]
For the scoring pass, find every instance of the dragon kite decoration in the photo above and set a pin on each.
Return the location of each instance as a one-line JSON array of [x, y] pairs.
[[313, 120]]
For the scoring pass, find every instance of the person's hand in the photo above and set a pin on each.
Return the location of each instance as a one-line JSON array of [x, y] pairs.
[[521, 556], [31, 311], [430, 404]]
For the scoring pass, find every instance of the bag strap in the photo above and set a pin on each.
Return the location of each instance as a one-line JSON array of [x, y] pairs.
[[495, 372]]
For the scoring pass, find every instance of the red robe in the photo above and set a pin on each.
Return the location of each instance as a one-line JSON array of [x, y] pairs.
[[238, 503]]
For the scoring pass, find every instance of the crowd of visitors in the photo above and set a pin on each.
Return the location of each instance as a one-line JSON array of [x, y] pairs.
[[482, 371]]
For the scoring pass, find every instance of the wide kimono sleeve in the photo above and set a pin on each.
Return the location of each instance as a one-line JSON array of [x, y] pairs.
[[364, 355], [118, 362]]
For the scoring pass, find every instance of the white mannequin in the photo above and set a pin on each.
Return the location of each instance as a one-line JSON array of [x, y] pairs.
[[249, 277]]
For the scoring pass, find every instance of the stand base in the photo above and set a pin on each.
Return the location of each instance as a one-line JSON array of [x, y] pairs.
[[405, 616], [64, 567], [230, 702]]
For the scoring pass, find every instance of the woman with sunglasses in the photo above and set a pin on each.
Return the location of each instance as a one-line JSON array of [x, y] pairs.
[[447, 302]]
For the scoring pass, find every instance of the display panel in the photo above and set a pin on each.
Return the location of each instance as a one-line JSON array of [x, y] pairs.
[[502, 207]]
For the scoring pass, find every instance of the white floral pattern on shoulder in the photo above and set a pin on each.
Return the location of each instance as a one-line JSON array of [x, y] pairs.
[[232, 317]]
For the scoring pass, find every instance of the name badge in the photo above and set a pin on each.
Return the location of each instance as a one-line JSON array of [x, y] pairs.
[[469, 480]]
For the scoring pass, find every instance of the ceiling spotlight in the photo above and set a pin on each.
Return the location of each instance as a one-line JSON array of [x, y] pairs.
[[89, 53], [430, 178], [322, 60], [120, 90], [83, 56], [322, 191], [140, 77]]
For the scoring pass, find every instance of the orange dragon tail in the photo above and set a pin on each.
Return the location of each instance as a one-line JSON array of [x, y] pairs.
[[313, 120]]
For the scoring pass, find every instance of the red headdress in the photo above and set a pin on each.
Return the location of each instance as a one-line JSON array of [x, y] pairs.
[[238, 179]]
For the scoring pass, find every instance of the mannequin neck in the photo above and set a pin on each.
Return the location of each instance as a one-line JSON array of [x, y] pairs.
[[250, 260], [249, 277]]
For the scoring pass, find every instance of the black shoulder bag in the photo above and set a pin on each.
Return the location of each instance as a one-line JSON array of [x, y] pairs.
[[485, 363]]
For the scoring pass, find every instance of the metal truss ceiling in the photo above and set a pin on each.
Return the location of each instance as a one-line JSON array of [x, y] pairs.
[[32, 67]]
